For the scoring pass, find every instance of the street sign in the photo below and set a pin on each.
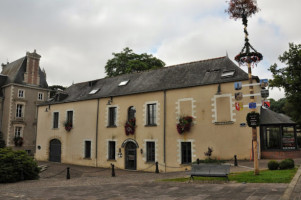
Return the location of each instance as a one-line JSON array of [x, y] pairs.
[[238, 96], [266, 103], [264, 83], [239, 106], [253, 119], [252, 105], [237, 85], [264, 93]]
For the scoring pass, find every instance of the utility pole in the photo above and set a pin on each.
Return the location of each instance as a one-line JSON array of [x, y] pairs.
[[244, 9]]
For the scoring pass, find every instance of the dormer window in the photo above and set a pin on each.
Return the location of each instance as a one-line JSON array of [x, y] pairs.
[[227, 74], [123, 83], [94, 91]]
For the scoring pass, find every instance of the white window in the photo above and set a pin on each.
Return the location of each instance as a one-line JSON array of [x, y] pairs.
[[151, 114], [19, 110], [123, 83], [228, 73], [21, 93], [94, 91], [40, 96], [18, 132]]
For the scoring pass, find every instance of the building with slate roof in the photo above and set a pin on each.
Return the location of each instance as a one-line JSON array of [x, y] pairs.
[[169, 115], [23, 85]]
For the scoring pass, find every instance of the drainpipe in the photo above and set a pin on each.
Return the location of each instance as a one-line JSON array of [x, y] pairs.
[[164, 131], [96, 132]]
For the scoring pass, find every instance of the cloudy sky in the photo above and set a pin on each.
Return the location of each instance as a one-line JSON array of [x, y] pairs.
[[76, 37]]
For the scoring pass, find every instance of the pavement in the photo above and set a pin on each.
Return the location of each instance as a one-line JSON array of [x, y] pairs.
[[98, 183]]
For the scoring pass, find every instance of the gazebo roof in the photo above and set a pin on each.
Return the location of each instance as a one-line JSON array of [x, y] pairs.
[[269, 117]]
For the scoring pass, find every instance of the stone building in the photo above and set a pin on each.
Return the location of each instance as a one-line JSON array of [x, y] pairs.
[[23, 86]]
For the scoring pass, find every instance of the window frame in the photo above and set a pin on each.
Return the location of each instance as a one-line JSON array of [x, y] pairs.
[[111, 150], [186, 153], [88, 149], [19, 110], [150, 151], [55, 121], [23, 93], [19, 130], [40, 94], [112, 116], [151, 114], [69, 118]]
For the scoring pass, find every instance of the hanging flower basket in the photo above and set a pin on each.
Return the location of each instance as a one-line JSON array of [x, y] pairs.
[[184, 124], [68, 126], [245, 58], [18, 141], [130, 126]]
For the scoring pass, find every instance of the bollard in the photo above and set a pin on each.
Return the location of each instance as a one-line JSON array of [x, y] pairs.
[[198, 161], [235, 160], [113, 170], [157, 168], [68, 173]]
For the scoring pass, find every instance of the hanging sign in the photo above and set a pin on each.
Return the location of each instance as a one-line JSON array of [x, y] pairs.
[[252, 105], [253, 119], [239, 106], [264, 93], [266, 103], [237, 85], [238, 96], [264, 83]]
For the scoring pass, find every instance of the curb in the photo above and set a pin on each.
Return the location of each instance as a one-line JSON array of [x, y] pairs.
[[289, 190]]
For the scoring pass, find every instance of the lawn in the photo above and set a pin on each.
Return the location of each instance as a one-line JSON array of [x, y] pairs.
[[265, 176]]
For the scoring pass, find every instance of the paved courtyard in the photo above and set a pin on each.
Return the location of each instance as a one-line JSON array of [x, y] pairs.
[[96, 183]]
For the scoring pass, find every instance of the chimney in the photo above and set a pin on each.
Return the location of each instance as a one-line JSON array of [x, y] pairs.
[[32, 75]]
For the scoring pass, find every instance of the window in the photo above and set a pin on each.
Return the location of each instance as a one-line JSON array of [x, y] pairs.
[[272, 137], [70, 116], [186, 152], [151, 114], [111, 150], [288, 138], [228, 73], [40, 96], [55, 120], [87, 149], [298, 133], [18, 131], [21, 93], [19, 111], [123, 83], [131, 113], [112, 116], [150, 151], [94, 91]]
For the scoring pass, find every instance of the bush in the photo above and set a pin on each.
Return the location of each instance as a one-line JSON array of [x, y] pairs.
[[287, 164], [17, 166], [273, 165]]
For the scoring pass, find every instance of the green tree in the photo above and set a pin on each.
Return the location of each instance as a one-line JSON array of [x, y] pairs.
[[278, 106], [289, 78], [127, 62], [55, 88]]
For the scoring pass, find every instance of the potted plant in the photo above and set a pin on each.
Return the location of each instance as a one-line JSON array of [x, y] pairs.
[[68, 126], [18, 141], [130, 126], [184, 125]]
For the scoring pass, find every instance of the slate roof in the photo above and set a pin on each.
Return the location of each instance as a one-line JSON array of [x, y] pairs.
[[199, 73], [269, 117], [15, 73]]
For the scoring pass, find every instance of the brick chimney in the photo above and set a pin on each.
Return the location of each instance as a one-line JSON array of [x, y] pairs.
[[32, 75]]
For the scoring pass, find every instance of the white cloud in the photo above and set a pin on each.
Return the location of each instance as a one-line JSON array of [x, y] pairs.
[[76, 38]]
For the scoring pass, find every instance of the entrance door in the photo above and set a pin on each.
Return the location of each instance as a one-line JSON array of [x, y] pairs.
[[55, 151], [131, 156]]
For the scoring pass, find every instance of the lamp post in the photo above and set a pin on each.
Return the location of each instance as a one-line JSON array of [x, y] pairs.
[[248, 56]]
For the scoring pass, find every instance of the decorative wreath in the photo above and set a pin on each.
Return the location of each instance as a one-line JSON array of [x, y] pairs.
[[252, 57], [184, 124]]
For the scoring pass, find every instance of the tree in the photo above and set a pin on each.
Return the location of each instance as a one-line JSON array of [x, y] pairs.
[[55, 88], [289, 77], [127, 62], [278, 106]]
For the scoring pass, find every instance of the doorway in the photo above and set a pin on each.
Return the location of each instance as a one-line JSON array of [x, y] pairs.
[[55, 151], [130, 156]]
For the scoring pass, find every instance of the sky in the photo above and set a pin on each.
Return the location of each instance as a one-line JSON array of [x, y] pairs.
[[77, 37]]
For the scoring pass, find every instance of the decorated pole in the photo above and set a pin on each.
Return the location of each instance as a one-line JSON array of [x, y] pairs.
[[248, 56]]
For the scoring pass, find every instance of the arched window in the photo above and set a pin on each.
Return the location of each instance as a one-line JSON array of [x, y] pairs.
[[131, 113]]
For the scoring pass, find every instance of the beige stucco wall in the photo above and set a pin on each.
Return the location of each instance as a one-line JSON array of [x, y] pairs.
[[227, 139], [72, 143]]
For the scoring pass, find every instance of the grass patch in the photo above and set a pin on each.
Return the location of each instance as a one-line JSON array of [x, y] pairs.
[[265, 176]]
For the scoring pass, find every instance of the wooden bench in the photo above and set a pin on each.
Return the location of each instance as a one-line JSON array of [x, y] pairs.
[[209, 170]]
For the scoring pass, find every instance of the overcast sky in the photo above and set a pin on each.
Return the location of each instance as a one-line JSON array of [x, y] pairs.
[[76, 37]]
